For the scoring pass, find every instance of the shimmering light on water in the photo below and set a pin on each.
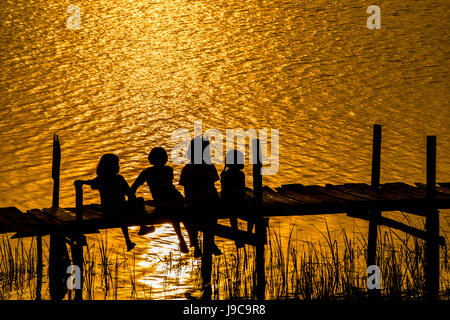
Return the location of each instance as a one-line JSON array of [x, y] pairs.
[[137, 70]]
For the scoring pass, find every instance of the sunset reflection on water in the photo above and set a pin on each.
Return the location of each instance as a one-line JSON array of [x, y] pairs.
[[138, 70]]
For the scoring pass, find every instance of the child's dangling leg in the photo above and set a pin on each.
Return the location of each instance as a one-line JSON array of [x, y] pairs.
[[124, 227], [138, 206], [193, 237], [120, 215], [177, 228]]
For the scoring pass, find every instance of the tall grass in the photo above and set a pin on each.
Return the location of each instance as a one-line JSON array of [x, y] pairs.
[[17, 267], [331, 269]]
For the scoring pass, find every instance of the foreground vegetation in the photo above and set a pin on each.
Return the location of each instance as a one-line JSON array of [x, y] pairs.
[[332, 269]]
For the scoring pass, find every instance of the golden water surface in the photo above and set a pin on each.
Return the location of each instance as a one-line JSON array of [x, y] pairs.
[[138, 70]]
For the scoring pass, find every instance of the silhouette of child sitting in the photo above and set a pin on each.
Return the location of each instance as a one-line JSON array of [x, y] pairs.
[[166, 197], [113, 188], [232, 180], [198, 178]]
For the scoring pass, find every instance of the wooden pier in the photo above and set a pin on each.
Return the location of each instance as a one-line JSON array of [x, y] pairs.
[[357, 200]]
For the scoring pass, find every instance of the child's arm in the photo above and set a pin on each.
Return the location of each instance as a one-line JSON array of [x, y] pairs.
[[83, 182], [140, 180], [126, 189]]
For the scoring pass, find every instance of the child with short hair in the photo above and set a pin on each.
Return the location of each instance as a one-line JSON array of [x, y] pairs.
[[232, 180], [166, 197]]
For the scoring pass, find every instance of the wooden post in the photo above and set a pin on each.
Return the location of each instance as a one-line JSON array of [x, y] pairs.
[[206, 268], [260, 227], [58, 252], [376, 156], [375, 183], [431, 226], [58, 262], [56, 167], [77, 246]]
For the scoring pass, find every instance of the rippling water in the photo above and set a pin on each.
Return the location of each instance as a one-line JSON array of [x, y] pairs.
[[137, 70]]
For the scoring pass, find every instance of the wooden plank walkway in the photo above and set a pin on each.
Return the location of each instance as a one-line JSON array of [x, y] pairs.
[[287, 200]]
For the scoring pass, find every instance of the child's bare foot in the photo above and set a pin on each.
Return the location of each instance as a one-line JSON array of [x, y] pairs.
[[130, 246], [146, 230]]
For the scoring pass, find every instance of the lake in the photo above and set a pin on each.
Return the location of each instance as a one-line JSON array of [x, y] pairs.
[[136, 71]]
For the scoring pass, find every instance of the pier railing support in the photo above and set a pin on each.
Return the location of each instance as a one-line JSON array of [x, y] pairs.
[[260, 227], [206, 268], [58, 256], [78, 240], [375, 183], [431, 226], [56, 167]]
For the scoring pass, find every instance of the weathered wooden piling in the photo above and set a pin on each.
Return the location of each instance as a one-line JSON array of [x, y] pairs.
[[260, 227], [56, 168], [206, 267], [58, 256], [431, 225], [58, 263], [375, 183], [78, 240]]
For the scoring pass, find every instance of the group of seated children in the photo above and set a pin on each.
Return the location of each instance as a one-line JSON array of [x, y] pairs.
[[198, 178]]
